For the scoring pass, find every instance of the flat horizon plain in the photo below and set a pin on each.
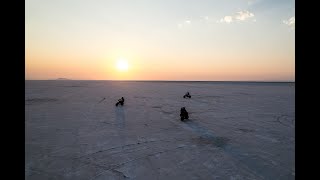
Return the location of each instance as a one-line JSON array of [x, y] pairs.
[[236, 130]]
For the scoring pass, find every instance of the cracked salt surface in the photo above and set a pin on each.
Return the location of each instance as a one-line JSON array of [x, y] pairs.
[[235, 130]]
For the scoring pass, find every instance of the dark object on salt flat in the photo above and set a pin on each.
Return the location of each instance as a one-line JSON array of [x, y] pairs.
[[120, 101], [184, 114], [187, 95]]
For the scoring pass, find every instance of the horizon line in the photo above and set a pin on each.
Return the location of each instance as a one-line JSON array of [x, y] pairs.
[[253, 81]]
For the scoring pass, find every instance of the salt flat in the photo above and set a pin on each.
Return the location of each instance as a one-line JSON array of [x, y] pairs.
[[73, 130]]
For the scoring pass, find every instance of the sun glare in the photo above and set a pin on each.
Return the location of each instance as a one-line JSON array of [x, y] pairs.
[[122, 65]]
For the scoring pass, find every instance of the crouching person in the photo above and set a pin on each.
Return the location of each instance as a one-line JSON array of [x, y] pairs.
[[120, 101], [187, 95], [184, 114]]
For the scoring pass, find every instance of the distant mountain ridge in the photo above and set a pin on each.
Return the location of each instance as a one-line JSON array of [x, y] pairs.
[[63, 79]]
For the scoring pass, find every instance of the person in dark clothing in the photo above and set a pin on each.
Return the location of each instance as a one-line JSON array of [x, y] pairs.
[[184, 114], [120, 101], [187, 95]]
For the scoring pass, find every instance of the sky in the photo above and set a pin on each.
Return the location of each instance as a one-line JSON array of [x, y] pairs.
[[196, 40]]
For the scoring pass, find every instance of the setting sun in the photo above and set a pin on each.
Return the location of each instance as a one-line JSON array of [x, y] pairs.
[[122, 65]]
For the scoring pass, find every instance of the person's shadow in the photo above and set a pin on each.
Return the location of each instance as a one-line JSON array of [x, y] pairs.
[[120, 123], [120, 117]]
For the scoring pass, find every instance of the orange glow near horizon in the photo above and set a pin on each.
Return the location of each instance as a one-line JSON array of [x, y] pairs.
[[118, 69]]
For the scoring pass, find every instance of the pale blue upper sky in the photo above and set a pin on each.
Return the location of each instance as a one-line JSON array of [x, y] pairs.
[[238, 35]]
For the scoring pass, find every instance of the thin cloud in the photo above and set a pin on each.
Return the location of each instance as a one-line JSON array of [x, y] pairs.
[[184, 23], [290, 22], [243, 15], [227, 19], [206, 18], [237, 17]]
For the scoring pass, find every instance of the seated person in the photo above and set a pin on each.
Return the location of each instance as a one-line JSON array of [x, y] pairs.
[[187, 95], [120, 101], [184, 114]]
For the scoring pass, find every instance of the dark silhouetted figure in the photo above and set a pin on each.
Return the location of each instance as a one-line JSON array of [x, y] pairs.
[[120, 101], [187, 95], [184, 114]]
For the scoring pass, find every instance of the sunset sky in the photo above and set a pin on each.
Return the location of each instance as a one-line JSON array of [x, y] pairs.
[[218, 40]]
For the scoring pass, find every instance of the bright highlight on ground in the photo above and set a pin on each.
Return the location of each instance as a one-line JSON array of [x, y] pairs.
[[122, 65]]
